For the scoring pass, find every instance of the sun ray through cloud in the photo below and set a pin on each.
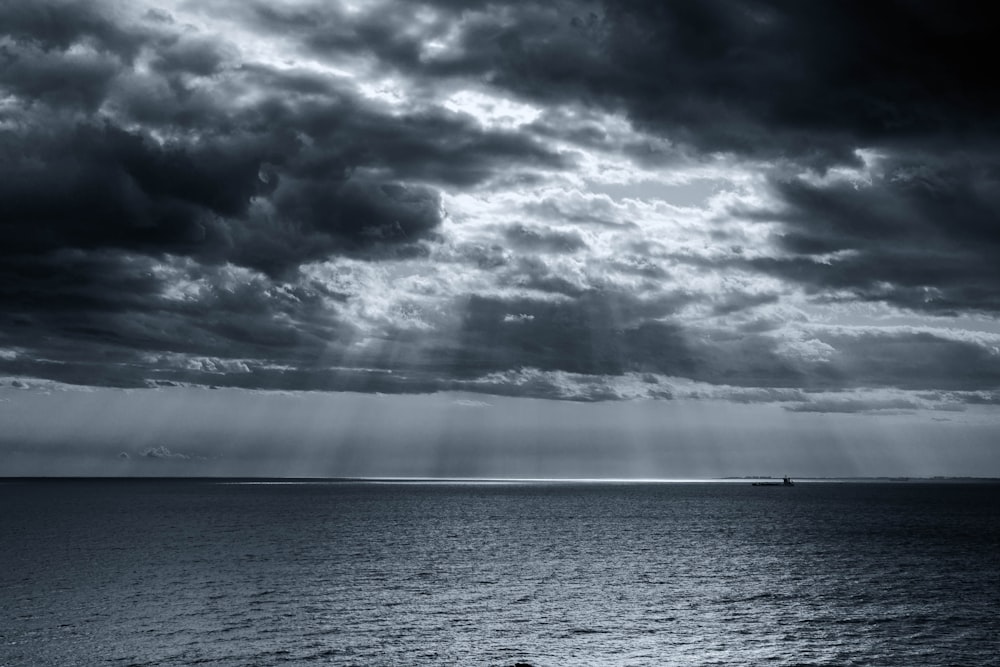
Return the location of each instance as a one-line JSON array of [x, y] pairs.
[[557, 202]]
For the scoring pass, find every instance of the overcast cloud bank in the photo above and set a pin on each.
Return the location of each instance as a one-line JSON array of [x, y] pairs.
[[766, 201]]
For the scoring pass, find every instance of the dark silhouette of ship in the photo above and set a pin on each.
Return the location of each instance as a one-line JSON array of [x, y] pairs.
[[786, 481]]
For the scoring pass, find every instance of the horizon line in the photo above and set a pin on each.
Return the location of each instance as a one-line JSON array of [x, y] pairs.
[[487, 480]]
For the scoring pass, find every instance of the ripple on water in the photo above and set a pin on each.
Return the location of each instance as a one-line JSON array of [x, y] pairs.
[[181, 573]]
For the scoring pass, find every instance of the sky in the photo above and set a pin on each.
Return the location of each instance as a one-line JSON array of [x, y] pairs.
[[505, 239]]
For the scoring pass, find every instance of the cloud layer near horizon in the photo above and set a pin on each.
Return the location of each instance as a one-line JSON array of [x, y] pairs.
[[766, 201]]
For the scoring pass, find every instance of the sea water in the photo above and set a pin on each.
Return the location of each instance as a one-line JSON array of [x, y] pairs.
[[360, 573]]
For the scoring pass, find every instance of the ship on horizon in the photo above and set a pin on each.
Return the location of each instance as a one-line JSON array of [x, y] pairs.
[[786, 481]]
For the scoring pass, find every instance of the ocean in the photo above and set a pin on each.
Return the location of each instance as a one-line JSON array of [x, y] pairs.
[[213, 572]]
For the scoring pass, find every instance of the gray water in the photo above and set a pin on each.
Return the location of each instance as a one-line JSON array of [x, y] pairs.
[[335, 573]]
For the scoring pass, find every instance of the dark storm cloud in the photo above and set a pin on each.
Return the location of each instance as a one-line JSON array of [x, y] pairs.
[[95, 186], [162, 192], [109, 319], [593, 334], [69, 80], [173, 166], [85, 186], [111, 168], [603, 333], [901, 359], [912, 360], [257, 199], [801, 84], [806, 84], [429, 146], [806, 81], [120, 184], [924, 234], [57, 26], [186, 54]]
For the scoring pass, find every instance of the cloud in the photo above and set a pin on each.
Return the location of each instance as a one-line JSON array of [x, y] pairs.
[[726, 78], [543, 240], [97, 187], [579, 200], [609, 336], [162, 453], [921, 234], [856, 406], [309, 168], [907, 358], [769, 80], [57, 26], [883, 402], [467, 403]]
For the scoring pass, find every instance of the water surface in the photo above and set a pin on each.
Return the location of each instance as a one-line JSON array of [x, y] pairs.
[[203, 572]]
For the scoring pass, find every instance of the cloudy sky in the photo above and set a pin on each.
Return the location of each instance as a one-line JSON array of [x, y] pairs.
[[575, 238]]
